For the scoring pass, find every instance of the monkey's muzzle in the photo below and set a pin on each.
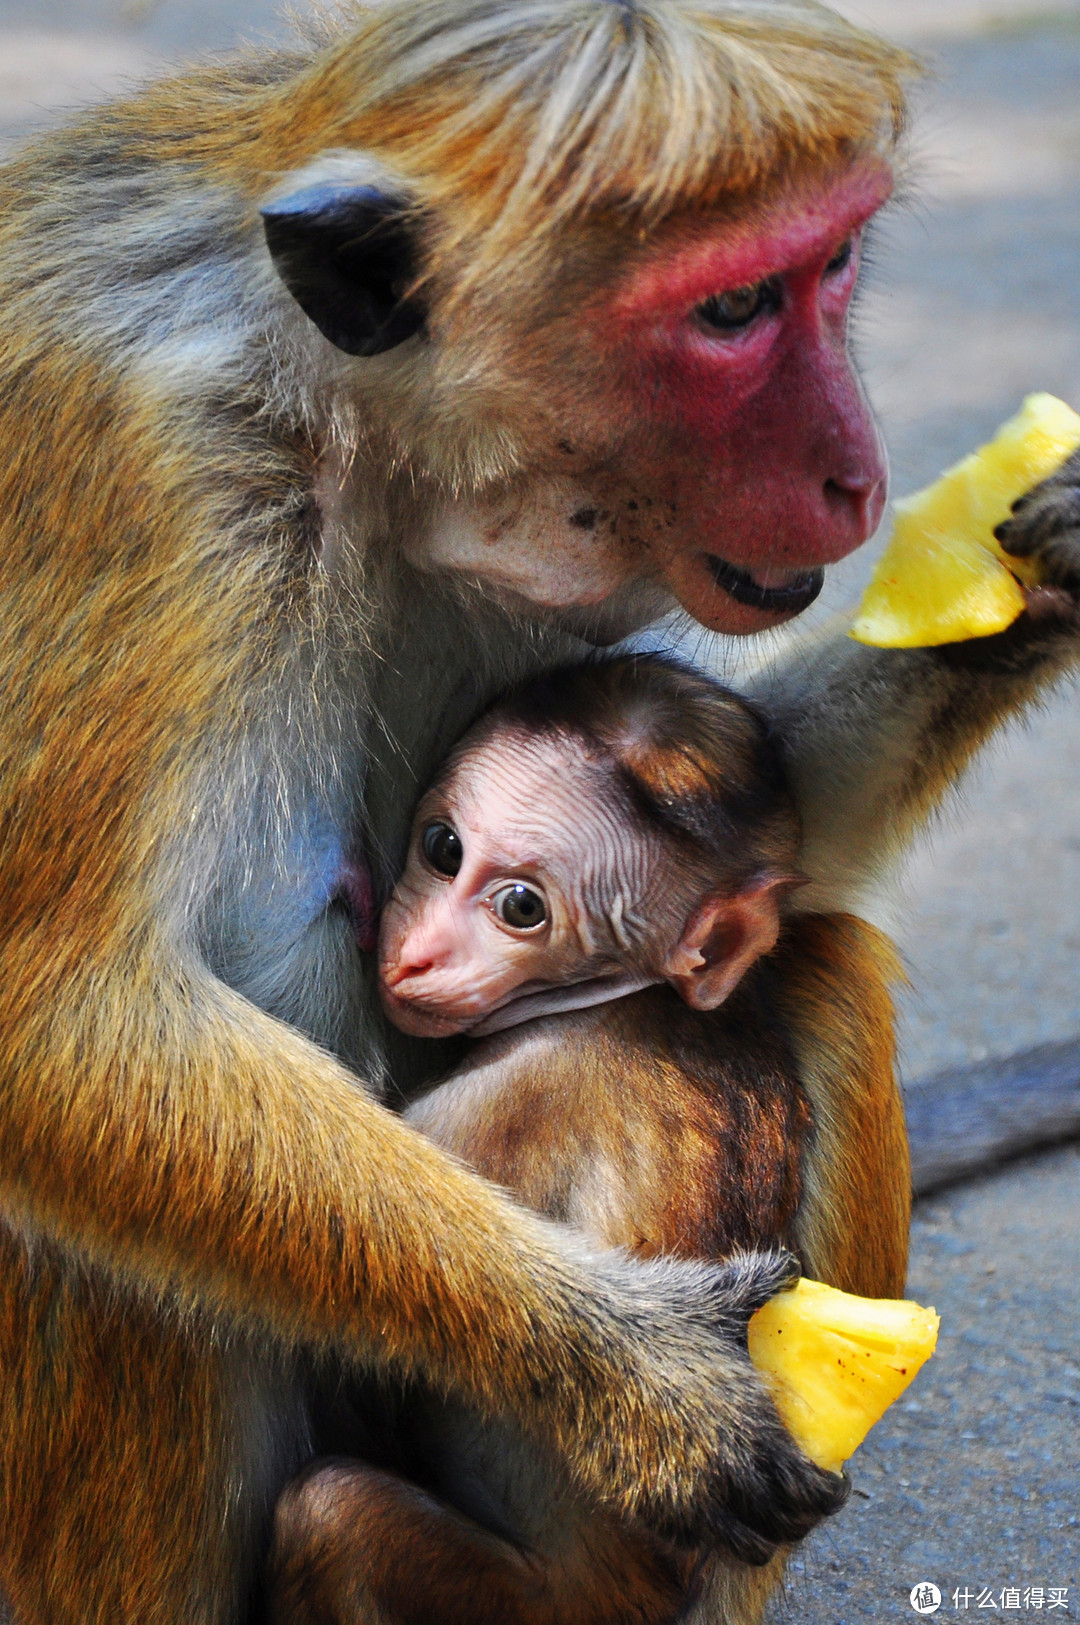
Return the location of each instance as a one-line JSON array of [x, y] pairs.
[[790, 599]]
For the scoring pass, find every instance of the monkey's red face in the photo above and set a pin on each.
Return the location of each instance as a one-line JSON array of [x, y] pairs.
[[774, 464], [706, 432], [649, 417]]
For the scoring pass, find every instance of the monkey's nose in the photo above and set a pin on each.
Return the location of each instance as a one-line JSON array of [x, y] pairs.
[[405, 969], [862, 498]]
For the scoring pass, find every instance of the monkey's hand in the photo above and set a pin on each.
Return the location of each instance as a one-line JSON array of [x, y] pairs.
[[708, 1460], [875, 738], [1045, 527]]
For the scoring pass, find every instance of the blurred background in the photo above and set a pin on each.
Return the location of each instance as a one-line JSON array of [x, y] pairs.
[[970, 301]]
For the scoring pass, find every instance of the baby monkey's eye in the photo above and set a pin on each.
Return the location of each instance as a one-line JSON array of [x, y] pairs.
[[519, 907], [442, 848]]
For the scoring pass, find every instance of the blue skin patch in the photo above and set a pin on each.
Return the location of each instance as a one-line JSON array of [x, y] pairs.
[[317, 873], [315, 862]]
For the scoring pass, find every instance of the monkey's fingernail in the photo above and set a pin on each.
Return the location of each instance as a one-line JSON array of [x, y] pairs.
[[1012, 540]]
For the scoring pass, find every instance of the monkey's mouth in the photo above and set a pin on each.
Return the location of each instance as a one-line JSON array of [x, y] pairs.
[[789, 599]]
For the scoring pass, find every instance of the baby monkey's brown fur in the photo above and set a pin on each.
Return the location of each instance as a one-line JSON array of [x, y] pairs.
[[648, 1124]]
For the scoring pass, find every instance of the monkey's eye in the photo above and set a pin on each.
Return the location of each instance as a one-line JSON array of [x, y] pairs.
[[841, 258], [519, 907], [728, 312], [442, 848]]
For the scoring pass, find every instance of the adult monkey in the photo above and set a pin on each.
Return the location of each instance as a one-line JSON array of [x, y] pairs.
[[565, 358]]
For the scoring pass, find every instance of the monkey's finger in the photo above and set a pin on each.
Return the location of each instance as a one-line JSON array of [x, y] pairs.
[[1049, 605], [1047, 511], [743, 1543], [1053, 513], [748, 1280], [775, 1505], [799, 1495]]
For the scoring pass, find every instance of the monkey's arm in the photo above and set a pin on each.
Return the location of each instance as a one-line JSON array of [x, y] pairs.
[[185, 1140], [877, 737]]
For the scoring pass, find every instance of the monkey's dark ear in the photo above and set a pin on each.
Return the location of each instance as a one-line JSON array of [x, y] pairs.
[[346, 254]]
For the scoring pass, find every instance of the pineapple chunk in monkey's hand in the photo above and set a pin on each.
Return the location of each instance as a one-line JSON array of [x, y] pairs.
[[836, 1362], [943, 577]]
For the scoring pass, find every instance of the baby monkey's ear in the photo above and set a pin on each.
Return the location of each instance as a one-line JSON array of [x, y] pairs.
[[723, 937]]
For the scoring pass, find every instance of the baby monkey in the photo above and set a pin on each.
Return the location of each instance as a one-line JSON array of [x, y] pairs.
[[602, 861]]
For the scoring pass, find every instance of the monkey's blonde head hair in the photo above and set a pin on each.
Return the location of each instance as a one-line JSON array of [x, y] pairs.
[[518, 116]]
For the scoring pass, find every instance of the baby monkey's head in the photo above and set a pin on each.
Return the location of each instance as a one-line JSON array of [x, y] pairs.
[[601, 828]]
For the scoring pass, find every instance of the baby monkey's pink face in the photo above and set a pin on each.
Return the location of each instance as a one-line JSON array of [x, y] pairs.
[[530, 888]]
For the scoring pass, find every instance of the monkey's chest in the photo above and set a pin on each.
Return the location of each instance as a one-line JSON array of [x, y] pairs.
[[291, 926]]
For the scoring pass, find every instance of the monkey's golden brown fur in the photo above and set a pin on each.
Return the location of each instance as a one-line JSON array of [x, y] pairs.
[[227, 661]]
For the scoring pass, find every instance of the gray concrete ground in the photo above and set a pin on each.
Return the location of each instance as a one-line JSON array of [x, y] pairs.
[[971, 301], [970, 1480]]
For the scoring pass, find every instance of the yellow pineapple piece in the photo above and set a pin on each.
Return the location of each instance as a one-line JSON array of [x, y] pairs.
[[836, 1362], [943, 577]]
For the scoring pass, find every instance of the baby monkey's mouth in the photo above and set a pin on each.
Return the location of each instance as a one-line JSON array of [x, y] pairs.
[[789, 598]]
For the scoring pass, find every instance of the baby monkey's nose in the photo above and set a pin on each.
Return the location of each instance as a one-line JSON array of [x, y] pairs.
[[429, 943], [405, 968]]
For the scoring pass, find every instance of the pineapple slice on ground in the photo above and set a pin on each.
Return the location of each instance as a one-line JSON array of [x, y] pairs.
[[943, 578], [836, 1362]]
